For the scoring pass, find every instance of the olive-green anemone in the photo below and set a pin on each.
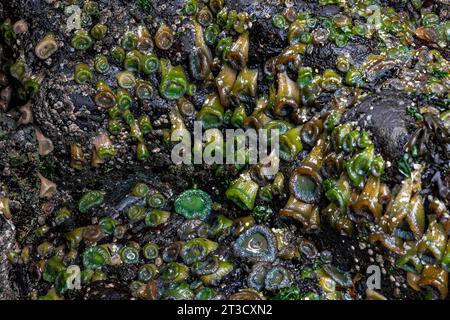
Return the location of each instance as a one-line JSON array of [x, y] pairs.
[[206, 293], [207, 266], [52, 268], [136, 213], [140, 190], [197, 249], [174, 83], [96, 257], [243, 192], [156, 218], [257, 276], [156, 200], [178, 291], [224, 268], [221, 226], [174, 272], [147, 272], [277, 278], [107, 224], [150, 251], [129, 254], [90, 200]]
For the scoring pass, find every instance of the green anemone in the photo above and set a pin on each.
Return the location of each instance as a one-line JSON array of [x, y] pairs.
[[96, 257], [90, 200], [129, 254], [193, 204], [243, 192], [197, 249]]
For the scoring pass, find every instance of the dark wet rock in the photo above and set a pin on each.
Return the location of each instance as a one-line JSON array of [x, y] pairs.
[[125, 273], [7, 241], [324, 57], [329, 11], [107, 290], [265, 40], [167, 11], [385, 116]]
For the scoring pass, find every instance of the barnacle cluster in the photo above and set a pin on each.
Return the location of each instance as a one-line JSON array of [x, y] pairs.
[[358, 91]]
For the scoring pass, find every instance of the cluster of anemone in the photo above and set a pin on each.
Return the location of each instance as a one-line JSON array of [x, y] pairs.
[[333, 170]]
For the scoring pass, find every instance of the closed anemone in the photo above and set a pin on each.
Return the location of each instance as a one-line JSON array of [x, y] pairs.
[[129, 41], [105, 99], [150, 63], [343, 279], [310, 132], [278, 278], [256, 278], [126, 80], [243, 191], [206, 293], [136, 213], [156, 218], [52, 268], [178, 291], [137, 288], [308, 248], [288, 95], [147, 272], [193, 229], [174, 272], [46, 47], [247, 294], [212, 112], [93, 233], [172, 251], [197, 249], [257, 243], [143, 90], [83, 73], [135, 130], [237, 56], [193, 204], [140, 190], [82, 41], [221, 226], [208, 266], [225, 267], [358, 167], [132, 61], [164, 37], [156, 200], [62, 216], [90, 200]]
